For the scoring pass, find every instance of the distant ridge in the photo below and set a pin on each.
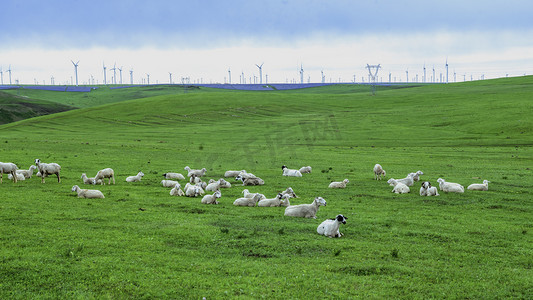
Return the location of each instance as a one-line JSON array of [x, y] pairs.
[[15, 108]]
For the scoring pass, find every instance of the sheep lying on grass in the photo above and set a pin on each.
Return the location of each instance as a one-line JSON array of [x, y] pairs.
[[450, 187], [408, 181], [416, 175], [85, 193], [427, 190], [399, 188], [89, 180], [330, 227], [105, 173], [305, 170], [216, 185], [193, 190], [211, 199], [247, 201], [27, 173], [279, 200], [174, 176], [247, 194], [290, 192], [479, 186], [8, 168], [169, 183], [339, 184], [176, 191], [290, 172], [250, 181], [305, 210], [48, 169], [233, 173], [378, 172], [135, 178], [244, 174], [198, 173], [20, 177]]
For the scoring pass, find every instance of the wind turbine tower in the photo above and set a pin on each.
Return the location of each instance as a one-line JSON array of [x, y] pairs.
[[301, 74], [433, 74], [120, 70], [9, 71], [131, 76], [105, 81], [446, 70], [148, 75], [407, 75], [260, 72], [76, 70], [170, 77], [229, 76], [322, 75], [114, 73], [424, 73]]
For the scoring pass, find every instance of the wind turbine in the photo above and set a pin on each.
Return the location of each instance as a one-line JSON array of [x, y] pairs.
[[229, 75], [407, 74], [433, 74], [2, 75], [105, 81], [170, 77], [424, 72], [114, 73], [301, 74], [260, 72], [148, 75], [120, 70], [446, 70], [322, 76], [131, 76], [9, 71], [76, 70], [243, 78]]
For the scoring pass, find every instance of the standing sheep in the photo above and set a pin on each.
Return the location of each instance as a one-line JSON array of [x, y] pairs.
[[330, 227], [339, 184], [305, 210], [211, 199], [85, 193], [479, 186], [378, 172], [135, 178], [48, 169], [8, 168], [105, 173]]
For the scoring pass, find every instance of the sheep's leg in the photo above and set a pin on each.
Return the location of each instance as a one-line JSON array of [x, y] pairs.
[[14, 174], [1, 176], [58, 178]]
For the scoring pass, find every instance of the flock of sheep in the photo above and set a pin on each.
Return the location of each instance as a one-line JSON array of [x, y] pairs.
[[195, 187]]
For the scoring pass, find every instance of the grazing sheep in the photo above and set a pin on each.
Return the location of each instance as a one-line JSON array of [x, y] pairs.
[[169, 183], [135, 178], [193, 190], [8, 168], [251, 181], [211, 199], [198, 173], [89, 180], [216, 185], [399, 188], [450, 187], [27, 173], [85, 193], [339, 184], [305, 210], [247, 194], [427, 190], [247, 201], [105, 173], [290, 192], [378, 172], [305, 170], [290, 172], [176, 191], [174, 176], [479, 186], [20, 177], [330, 227], [233, 173], [48, 169], [416, 175], [274, 202]]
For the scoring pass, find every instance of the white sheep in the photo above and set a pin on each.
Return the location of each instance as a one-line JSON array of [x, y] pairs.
[[450, 187], [216, 185], [427, 190], [339, 184], [479, 186], [211, 199], [193, 190], [8, 168], [399, 188], [290, 172], [198, 173], [20, 177], [233, 173], [378, 172], [105, 173], [251, 181], [27, 173], [85, 193], [279, 200], [48, 169], [305, 170], [169, 183], [244, 174], [305, 210], [289, 191], [89, 180], [408, 181], [330, 227], [416, 175], [171, 175], [177, 191], [247, 201], [247, 194], [135, 178]]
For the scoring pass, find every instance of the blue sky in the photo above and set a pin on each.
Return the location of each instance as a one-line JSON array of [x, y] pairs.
[[39, 38]]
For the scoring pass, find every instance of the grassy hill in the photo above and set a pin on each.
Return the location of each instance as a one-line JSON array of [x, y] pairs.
[[140, 242], [14, 108]]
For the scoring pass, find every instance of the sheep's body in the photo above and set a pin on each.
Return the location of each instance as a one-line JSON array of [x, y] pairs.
[[85, 193], [399, 188], [339, 184], [432, 191], [408, 181], [135, 178], [211, 199], [171, 175], [233, 173], [427, 190], [450, 187], [89, 180], [330, 227], [244, 174], [198, 173], [279, 200], [8, 168], [177, 191], [290, 172], [20, 177], [216, 185], [247, 201], [416, 175], [247, 194], [193, 190], [289, 191], [305, 210], [105, 173], [378, 172], [251, 181], [48, 169], [479, 186], [169, 183], [27, 173], [305, 170]]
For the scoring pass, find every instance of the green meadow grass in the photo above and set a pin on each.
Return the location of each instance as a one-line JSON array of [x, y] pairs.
[[140, 242]]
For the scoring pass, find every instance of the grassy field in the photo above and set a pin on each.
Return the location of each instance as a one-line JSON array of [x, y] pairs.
[[140, 242]]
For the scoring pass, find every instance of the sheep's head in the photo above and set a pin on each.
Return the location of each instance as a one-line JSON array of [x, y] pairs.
[[74, 188], [341, 219], [245, 191], [283, 167], [320, 201], [391, 181], [419, 173], [346, 180], [177, 186], [289, 191], [37, 161], [187, 168], [140, 174], [217, 194], [426, 184], [485, 181], [440, 181], [384, 173]]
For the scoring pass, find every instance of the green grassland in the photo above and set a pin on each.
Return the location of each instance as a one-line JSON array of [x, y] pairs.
[[140, 242], [15, 108]]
